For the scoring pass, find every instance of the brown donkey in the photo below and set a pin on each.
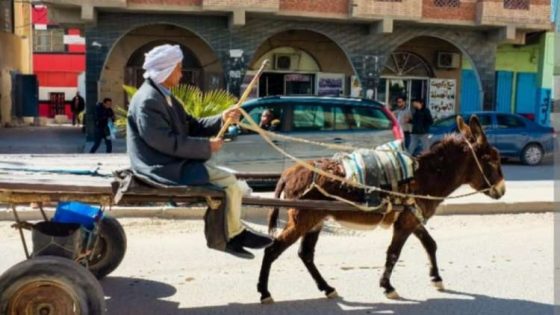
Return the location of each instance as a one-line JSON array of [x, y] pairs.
[[443, 169]]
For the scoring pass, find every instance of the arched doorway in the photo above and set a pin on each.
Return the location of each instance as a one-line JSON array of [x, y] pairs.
[[192, 71], [123, 64], [406, 74], [426, 68], [301, 63]]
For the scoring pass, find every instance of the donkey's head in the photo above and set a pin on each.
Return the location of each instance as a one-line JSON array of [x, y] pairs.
[[486, 168]]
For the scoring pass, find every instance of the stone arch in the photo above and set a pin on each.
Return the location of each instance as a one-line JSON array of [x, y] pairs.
[[324, 51], [481, 57], [443, 101], [112, 74]]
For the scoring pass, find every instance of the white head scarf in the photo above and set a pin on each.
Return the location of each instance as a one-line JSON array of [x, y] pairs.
[[160, 62]]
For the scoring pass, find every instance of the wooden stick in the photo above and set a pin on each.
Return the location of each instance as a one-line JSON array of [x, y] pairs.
[[243, 97]]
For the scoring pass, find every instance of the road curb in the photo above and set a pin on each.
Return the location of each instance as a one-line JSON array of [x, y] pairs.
[[261, 213]]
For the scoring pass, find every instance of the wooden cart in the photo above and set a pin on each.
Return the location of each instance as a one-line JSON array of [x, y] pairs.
[[50, 285]]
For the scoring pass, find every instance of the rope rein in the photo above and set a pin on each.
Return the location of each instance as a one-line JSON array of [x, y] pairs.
[[253, 126], [490, 186]]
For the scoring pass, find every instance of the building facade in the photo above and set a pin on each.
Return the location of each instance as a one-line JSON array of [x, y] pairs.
[[373, 48], [15, 52], [59, 62]]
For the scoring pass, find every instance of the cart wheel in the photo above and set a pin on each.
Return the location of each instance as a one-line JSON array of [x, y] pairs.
[[49, 285], [110, 248]]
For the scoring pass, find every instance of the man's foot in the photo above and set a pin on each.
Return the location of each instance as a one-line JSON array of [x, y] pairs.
[[235, 248], [254, 240]]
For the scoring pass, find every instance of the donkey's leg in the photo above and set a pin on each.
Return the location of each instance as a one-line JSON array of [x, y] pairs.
[[287, 237], [430, 246], [401, 231], [307, 254]]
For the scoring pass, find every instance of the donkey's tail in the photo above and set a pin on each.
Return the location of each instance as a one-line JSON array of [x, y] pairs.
[[273, 215]]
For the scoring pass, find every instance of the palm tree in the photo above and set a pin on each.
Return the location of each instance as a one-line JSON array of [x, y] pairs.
[[195, 102]]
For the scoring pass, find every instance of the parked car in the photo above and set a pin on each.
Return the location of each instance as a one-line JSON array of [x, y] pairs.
[[349, 121], [513, 135]]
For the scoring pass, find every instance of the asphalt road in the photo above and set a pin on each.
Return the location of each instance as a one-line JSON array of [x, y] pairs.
[[500, 264]]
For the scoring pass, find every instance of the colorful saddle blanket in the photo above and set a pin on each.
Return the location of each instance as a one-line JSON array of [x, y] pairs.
[[386, 166]]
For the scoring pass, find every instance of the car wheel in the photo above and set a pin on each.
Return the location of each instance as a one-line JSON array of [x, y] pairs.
[[532, 154]]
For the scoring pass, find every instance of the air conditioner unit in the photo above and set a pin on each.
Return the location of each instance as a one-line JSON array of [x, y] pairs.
[[447, 60], [286, 62]]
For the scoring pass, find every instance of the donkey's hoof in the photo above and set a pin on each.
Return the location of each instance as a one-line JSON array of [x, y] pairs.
[[439, 285], [267, 300], [332, 295], [393, 295]]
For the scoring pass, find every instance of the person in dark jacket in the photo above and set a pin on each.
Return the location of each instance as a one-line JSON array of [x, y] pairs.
[[421, 123], [171, 147], [103, 114], [77, 106]]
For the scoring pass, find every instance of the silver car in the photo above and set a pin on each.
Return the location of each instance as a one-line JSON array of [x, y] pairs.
[[348, 121]]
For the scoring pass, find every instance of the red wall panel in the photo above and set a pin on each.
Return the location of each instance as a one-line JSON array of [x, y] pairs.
[[39, 15], [57, 79], [59, 63]]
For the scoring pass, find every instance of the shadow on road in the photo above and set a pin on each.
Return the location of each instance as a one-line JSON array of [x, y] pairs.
[[138, 296]]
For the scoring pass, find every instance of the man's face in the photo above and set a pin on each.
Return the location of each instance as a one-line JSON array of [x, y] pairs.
[[400, 103], [175, 77], [108, 104], [266, 117]]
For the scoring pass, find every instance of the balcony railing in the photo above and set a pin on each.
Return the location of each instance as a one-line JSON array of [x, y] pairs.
[[396, 9], [526, 13]]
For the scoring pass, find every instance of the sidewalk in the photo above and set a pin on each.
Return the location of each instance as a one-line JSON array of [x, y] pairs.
[[42, 140]]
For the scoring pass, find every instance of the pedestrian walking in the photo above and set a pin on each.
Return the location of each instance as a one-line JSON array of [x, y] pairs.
[[404, 116], [77, 106], [421, 123], [103, 114]]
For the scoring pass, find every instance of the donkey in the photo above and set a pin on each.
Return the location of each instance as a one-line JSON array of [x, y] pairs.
[[461, 158]]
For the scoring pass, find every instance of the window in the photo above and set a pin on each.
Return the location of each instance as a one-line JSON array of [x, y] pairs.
[[485, 120], [50, 40], [276, 120], [370, 118], [509, 121], [516, 4], [341, 121], [447, 3], [311, 118]]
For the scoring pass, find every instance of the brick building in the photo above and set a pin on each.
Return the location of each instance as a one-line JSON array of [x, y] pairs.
[[441, 50]]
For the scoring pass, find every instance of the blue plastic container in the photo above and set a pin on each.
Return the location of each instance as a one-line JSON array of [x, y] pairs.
[[76, 212]]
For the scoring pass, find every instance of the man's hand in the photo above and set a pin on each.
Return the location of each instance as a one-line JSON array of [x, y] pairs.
[[216, 144], [233, 113]]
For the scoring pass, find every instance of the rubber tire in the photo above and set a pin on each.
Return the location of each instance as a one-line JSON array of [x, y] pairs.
[[112, 233], [73, 275], [524, 151]]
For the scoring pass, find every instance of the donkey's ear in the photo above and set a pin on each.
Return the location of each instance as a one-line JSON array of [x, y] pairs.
[[463, 128], [477, 130]]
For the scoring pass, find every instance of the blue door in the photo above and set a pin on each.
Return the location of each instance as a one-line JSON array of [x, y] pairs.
[[470, 92], [526, 96], [504, 89]]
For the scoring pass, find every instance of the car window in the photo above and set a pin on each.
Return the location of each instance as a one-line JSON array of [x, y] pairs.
[[277, 111], [312, 118], [341, 119], [485, 120], [509, 121], [369, 118]]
